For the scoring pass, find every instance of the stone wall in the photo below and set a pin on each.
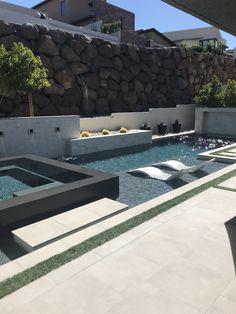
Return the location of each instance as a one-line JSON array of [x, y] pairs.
[[93, 77]]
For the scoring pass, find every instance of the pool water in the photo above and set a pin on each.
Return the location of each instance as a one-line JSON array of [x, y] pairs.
[[135, 190], [9, 185]]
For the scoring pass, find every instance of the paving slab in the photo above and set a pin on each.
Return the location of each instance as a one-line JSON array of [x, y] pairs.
[[230, 184], [39, 234]]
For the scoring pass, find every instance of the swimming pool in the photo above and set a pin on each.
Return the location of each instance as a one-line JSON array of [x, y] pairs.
[[135, 190]]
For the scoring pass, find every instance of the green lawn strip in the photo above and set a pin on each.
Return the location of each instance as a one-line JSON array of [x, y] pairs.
[[225, 188], [226, 150], [29, 275]]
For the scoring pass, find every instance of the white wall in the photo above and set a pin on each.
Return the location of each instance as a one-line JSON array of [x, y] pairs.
[[133, 120], [44, 141], [216, 121]]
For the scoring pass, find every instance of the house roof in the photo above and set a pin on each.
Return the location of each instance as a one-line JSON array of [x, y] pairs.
[[153, 30], [196, 33], [219, 13]]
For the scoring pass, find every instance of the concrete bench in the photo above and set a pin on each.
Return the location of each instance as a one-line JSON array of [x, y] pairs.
[[43, 232]]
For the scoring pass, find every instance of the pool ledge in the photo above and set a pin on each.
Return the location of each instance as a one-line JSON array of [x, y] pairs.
[[23, 263], [156, 138]]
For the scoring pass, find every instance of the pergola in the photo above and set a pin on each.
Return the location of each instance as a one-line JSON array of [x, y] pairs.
[[220, 13]]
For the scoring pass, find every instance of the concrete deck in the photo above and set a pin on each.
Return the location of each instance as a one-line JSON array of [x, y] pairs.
[[182, 261]]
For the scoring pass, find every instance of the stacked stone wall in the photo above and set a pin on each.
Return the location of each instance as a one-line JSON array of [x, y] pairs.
[[94, 77]]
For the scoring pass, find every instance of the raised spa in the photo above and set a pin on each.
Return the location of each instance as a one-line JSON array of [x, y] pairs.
[[32, 186]]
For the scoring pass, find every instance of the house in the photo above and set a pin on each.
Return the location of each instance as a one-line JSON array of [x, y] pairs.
[[85, 12], [155, 38], [197, 36], [98, 15]]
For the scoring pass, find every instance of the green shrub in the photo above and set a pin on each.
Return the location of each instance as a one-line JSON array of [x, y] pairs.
[[123, 130], [110, 28], [230, 94], [211, 94], [105, 132], [209, 48], [84, 134]]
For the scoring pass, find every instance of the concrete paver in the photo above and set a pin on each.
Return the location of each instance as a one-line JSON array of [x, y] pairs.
[[181, 264]]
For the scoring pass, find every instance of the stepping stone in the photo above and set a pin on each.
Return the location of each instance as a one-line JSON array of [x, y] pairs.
[[46, 231]]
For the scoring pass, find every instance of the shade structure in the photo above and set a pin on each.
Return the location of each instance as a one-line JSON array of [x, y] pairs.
[[220, 13]]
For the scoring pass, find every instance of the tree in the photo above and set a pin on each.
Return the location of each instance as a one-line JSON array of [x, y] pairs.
[[22, 71]]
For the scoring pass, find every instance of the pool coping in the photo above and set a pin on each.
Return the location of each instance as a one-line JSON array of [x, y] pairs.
[[25, 262]]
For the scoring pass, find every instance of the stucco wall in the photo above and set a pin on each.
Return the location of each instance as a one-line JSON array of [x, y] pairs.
[[216, 121], [93, 77], [45, 136]]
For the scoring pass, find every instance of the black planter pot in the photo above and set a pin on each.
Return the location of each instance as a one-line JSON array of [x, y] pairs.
[[176, 127], [145, 127], [162, 129]]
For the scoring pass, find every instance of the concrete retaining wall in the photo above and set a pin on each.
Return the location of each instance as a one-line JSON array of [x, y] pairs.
[[133, 120], [82, 146], [44, 136], [216, 121]]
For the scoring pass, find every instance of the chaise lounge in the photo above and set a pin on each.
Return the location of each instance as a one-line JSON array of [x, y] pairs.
[[158, 174], [177, 165]]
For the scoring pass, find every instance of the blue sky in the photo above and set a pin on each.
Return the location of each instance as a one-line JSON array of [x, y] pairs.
[[153, 13]]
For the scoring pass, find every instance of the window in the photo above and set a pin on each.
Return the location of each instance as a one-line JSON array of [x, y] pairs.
[[63, 7]]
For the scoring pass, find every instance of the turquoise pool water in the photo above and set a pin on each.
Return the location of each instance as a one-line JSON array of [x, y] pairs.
[[135, 190]]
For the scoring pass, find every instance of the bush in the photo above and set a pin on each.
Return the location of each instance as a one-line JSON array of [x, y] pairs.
[[230, 94], [105, 132], [209, 48], [123, 130], [211, 94], [84, 134], [110, 28]]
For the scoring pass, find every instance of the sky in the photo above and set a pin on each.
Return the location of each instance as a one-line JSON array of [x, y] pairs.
[[153, 13]]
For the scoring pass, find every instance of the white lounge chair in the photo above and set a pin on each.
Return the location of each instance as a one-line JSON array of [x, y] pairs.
[[177, 165], [158, 174]]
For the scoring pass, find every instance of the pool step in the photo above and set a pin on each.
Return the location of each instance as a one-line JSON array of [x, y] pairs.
[[46, 231]]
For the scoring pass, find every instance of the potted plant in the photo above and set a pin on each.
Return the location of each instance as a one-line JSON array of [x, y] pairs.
[[162, 128], [176, 126]]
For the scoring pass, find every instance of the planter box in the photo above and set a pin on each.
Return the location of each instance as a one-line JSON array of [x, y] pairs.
[[215, 121], [82, 146]]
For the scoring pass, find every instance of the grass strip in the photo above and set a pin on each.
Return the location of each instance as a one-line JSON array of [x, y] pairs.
[[226, 189], [16, 282]]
